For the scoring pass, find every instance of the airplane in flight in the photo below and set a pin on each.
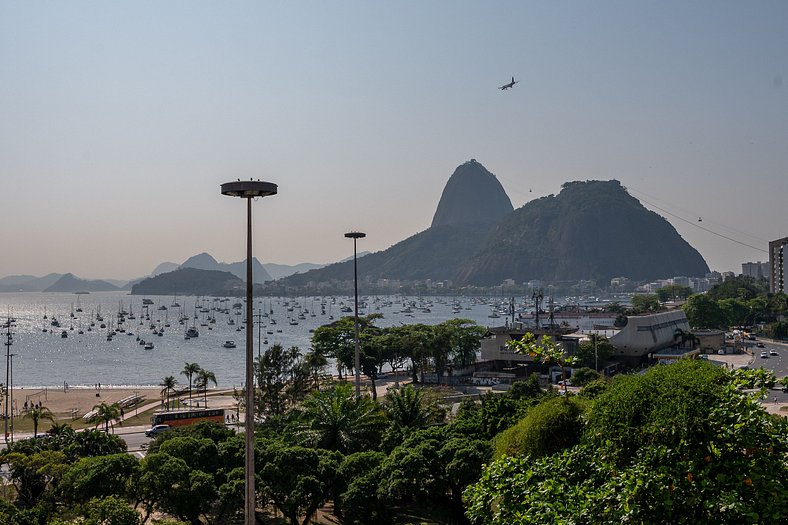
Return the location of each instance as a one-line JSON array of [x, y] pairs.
[[510, 84]]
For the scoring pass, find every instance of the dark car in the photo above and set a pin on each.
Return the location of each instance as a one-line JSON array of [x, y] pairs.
[[156, 430]]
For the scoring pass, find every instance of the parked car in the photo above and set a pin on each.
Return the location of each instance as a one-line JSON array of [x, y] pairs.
[[156, 430]]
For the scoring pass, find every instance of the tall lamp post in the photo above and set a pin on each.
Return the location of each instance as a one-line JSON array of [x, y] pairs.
[[355, 236], [11, 393], [249, 190]]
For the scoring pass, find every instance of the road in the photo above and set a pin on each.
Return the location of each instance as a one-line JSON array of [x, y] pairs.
[[777, 363]]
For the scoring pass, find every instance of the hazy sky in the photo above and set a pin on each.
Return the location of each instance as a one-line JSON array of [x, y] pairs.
[[119, 121]]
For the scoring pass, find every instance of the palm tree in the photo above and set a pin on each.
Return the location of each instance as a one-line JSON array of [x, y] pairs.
[[203, 378], [107, 413], [406, 407], [316, 363], [335, 420], [190, 370], [37, 413], [168, 383]]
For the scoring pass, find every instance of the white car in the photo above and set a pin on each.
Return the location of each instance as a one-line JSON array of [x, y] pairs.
[[764, 355], [773, 352], [156, 430]]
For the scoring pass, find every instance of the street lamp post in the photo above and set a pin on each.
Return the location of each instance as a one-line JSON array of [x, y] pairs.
[[249, 190], [11, 393], [355, 236]]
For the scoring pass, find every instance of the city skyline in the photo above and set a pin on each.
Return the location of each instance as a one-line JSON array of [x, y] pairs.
[[120, 121]]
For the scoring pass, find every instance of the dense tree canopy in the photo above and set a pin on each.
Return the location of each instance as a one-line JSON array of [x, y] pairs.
[[679, 444]]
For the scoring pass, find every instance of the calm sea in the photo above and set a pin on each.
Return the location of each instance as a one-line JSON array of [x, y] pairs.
[[48, 359]]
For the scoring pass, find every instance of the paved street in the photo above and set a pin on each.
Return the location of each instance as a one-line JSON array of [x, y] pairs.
[[779, 364]]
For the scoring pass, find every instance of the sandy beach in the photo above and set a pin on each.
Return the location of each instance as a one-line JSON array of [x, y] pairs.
[[73, 403]]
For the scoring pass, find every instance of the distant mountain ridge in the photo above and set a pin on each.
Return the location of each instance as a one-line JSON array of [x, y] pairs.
[[189, 281], [28, 283], [269, 271], [204, 261], [592, 230], [71, 283]]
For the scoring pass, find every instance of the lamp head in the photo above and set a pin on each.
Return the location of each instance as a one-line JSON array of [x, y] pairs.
[[249, 189]]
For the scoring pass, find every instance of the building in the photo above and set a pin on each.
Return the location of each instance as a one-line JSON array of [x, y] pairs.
[[756, 270], [777, 254], [645, 334], [494, 348]]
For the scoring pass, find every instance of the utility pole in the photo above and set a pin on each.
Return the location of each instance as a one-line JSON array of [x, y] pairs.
[[11, 390], [9, 337], [537, 296], [258, 317]]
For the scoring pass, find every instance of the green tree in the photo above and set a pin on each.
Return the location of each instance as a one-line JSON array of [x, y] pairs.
[[407, 407], [737, 311], [34, 475], [297, 480], [359, 499], [168, 386], [704, 312], [98, 477], [678, 444], [645, 303], [547, 428], [673, 292], [282, 379], [778, 330], [106, 413], [419, 339], [547, 351], [110, 510], [583, 376], [337, 340], [190, 370], [594, 352], [37, 413], [434, 465], [316, 363], [395, 352], [334, 419], [741, 287], [199, 453], [168, 484], [93, 442], [204, 378]]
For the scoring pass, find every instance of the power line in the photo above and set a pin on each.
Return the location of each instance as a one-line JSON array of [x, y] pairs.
[[690, 213], [693, 223], [690, 222]]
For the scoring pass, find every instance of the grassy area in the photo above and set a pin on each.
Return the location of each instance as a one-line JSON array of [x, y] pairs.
[[22, 425]]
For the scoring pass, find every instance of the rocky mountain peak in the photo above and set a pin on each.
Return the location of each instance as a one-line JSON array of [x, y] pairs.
[[472, 195]]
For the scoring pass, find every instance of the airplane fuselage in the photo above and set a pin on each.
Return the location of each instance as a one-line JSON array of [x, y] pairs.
[[509, 85]]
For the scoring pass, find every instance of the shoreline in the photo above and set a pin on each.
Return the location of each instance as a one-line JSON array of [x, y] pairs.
[[86, 387]]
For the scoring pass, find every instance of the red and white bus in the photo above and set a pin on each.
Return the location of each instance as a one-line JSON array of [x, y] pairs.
[[177, 418]]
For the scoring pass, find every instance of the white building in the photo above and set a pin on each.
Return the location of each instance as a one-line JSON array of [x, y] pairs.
[[644, 334]]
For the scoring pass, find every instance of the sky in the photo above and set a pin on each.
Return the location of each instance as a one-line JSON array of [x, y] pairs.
[[119, 121]]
